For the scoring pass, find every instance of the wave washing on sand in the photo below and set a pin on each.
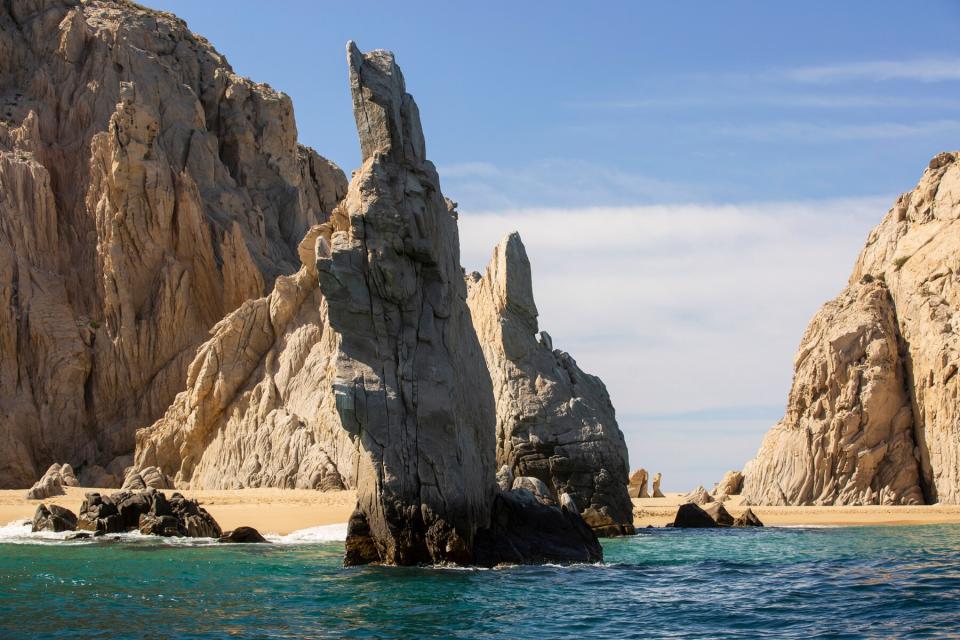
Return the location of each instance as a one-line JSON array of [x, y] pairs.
[[18, 532]]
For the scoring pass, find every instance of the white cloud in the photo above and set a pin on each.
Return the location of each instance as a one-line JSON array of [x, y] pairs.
[[684, 308], [919, 69]]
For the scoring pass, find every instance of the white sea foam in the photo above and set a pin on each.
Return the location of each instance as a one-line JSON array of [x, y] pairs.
[[313, 535]]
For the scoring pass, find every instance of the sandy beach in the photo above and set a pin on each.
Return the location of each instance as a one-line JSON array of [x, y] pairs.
[[282, 511], [659, 511], [268, 510]]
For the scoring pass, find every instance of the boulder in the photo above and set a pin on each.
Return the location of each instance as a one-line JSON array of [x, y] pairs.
[[699, 496], [730, 485], [536, 487], [505, 478], [165, 526], [51, 484], [242, 535], [637, 486], [147, 477], [719, 514], [525, 531], [99, 514], [656, 493], [67, 477], [691, 516], [53, 518], [747, 519]]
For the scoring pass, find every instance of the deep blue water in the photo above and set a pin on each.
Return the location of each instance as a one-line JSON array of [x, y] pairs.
[[795, 583]]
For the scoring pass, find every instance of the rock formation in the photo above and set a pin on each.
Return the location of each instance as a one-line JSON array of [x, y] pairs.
[[699, 496], [873, 416], [729, 485], [243, 535], [719, 513], [147, 191], [409, 379], [691, 516], [747, 519], [637, 485], [146, 477], [554, 421], [148, 511], [655, 487], [53, 518], [52, 482]]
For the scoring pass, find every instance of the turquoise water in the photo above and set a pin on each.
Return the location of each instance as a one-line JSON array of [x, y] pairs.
[[788, 582]]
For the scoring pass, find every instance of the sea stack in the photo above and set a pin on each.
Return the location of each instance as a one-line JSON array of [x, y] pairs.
[[410, 381], [554, 421], [872, 416]]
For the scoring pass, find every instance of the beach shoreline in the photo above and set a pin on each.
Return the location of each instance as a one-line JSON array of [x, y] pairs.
[[283, 511]]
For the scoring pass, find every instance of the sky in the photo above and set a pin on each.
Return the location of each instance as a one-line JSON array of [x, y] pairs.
[[691, 180]]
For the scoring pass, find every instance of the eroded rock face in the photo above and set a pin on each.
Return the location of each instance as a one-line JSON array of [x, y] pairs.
[[52, 482], [847, 436], [410, 382], [258, 410], [730, 484], [655, 486], [699, 496], [637, 486], [147, 191], [53, 518], [554, 422]]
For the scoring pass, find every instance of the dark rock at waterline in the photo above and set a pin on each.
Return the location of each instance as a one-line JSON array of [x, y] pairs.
[[719, 514], [166, 526], [691, 516], [524, 531], [99, 514], [360, 546], [79, 535], [53, 518], [747, 519], [149, 511], [242, 535]]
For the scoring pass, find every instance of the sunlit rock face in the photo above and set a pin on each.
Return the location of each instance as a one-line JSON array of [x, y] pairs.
[[147, 191], [872, 416]]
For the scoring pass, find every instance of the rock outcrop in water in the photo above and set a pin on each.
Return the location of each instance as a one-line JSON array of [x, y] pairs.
[[554, 422], [147, 191], [872, 417]]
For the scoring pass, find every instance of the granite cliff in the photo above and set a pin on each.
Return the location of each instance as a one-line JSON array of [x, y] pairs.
[[872, 416], [145, 192]]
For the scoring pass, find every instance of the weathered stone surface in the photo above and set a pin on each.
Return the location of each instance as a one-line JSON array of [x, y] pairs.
[[847, 436], [637, 485], [146, 477], [49, 485], [258, 410], [244, 535], [730, 484], [505, 478], [655, 490], [691, 516], [554, 421], [410, 381], [150, 511], [523, 530], [699, 496], [720, 515], [147, 191], [747, 519], [53, 518], [537, 487], [99, 514], [165, 526]]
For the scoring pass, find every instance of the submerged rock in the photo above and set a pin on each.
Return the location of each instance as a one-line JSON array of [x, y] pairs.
[[53, 518], [691, 516]]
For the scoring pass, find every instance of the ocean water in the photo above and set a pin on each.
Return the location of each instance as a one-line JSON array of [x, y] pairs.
[[849, 582]]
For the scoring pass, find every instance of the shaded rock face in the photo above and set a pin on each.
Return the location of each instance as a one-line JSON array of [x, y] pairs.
[[719, 513], [691, 516], [747, 519], [848, 434], [637, 485], [554, 422], [409, 379], [730, 485], [147, 191], [523, 530], [258, 411], [53, 518]]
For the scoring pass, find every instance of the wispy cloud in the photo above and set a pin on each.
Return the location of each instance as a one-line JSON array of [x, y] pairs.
[[788, 100], [685, 308], [918, 69], [807, 132]]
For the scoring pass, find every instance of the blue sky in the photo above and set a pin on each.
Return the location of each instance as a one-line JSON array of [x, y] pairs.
[[692, 180]]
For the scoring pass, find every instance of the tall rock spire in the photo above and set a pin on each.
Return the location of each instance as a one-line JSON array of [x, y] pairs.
[[410, 380]]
